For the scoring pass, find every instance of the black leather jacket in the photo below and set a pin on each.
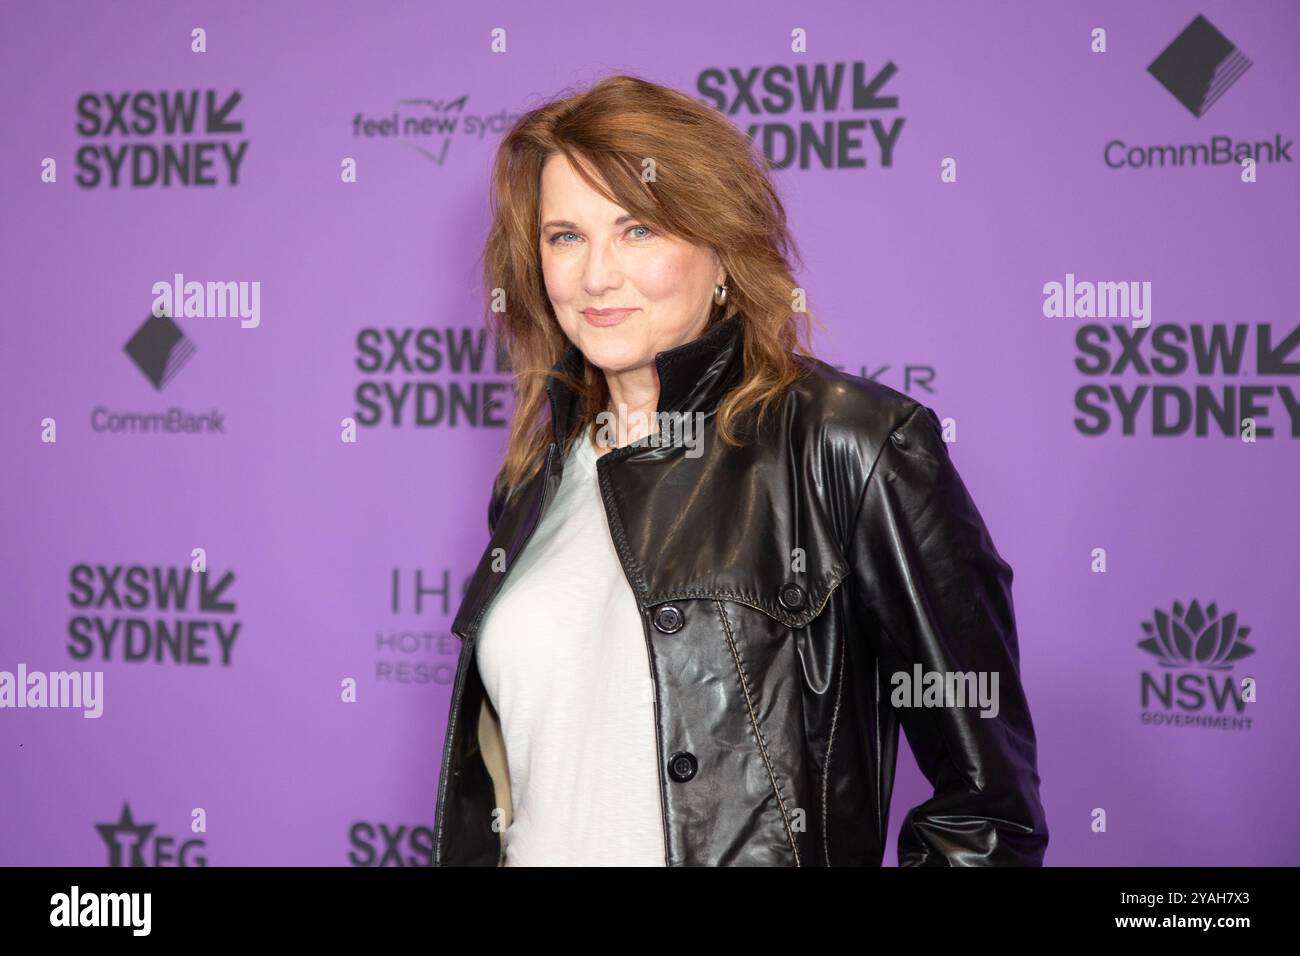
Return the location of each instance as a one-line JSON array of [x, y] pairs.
[[781, 587]]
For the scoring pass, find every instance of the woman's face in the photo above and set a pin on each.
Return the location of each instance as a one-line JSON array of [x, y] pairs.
[[595, 256]]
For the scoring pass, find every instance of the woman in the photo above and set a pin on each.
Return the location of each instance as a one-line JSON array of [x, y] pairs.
[[721, 573]]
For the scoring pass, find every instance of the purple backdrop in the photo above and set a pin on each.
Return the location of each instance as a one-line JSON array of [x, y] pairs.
[[331, 560]]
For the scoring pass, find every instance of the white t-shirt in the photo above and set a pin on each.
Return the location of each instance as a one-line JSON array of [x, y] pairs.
[[564, 661]]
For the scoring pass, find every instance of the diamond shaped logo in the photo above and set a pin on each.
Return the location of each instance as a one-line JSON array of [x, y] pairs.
[[1199, 66], [159, 348]]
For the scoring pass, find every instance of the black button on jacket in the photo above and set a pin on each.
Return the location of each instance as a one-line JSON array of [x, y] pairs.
[[781, 587]]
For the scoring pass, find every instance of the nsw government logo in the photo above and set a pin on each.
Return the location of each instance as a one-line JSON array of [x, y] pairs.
[[1194, 685]]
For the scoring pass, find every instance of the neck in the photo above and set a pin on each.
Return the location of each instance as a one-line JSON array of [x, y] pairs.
[[683, 380], [633, 406]]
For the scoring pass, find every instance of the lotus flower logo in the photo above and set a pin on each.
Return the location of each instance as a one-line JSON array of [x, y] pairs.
[[1196, 638]]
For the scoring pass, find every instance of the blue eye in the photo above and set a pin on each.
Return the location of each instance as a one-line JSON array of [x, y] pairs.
[[555, 239]]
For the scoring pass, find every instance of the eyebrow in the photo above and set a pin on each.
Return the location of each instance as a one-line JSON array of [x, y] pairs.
[[565, 224]]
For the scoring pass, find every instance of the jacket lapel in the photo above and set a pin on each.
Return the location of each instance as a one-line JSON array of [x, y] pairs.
[[692, 378]]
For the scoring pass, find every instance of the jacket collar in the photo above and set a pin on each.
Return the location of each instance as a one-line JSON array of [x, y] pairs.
[[693, 376]]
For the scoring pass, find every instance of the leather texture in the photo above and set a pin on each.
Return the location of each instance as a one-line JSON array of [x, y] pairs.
[[781, 585]]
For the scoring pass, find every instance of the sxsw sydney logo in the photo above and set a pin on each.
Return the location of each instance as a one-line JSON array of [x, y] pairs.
[[1195, 652], [140, 139], [153, 614], [812, 115]]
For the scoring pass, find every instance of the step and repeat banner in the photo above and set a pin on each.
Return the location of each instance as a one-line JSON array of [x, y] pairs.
[[251, 411]]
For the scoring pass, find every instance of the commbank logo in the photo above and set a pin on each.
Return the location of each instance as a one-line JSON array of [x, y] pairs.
[[159, 348], [1199, 66]]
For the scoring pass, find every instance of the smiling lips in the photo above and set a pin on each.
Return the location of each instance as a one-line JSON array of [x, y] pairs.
[[603, 318]]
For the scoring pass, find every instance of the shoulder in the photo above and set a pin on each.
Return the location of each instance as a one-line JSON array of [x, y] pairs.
[[843, 434], [855, 417]]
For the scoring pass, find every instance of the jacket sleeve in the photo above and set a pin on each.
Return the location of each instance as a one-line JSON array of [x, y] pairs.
[[940, 596], [496, 502]]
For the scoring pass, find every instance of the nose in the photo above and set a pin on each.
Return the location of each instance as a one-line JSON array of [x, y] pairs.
[[602, 270]]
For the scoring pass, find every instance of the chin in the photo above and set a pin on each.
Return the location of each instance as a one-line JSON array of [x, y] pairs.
[[612, 350], [614, 356]]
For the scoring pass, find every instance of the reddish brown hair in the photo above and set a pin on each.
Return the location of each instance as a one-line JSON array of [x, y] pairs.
[[711, 187]]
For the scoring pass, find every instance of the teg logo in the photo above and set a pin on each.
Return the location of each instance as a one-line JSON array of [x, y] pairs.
[[1186, 643], [134, 844], [803, 91]]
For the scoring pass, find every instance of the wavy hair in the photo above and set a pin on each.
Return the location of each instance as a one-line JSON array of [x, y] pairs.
[[711, 187]]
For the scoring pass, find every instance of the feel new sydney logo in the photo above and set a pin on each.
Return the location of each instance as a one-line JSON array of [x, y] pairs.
[[1193, 684]]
